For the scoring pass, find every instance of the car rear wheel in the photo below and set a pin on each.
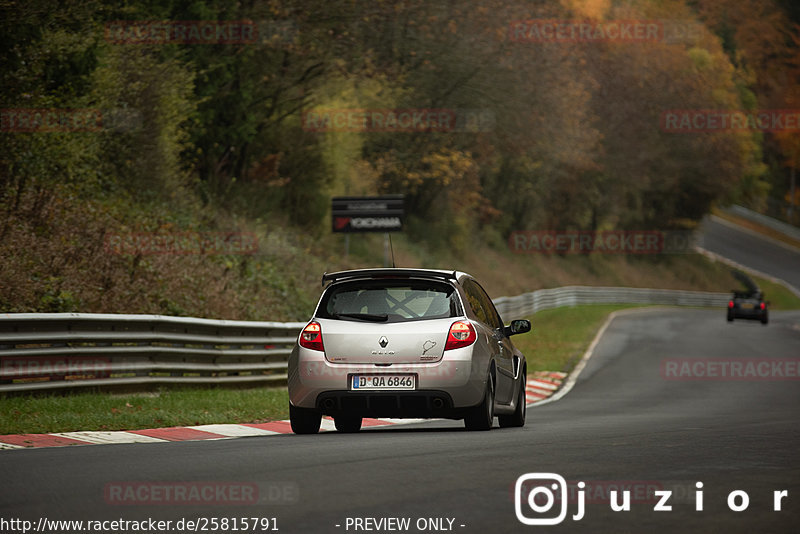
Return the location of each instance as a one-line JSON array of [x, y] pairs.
[[304, 420], [481, 417], [347, 423], [764, 318], [518, 417]]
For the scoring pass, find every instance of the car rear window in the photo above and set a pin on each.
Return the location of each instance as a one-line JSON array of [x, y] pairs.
[[389, 301]]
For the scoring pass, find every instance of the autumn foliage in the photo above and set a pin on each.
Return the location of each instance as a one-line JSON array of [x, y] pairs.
[[208, 134]]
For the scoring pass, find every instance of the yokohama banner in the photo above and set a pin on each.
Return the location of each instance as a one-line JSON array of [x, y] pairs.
[[368, 214]]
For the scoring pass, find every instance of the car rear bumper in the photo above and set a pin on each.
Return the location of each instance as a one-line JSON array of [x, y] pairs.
[[742, 313], [419, 403], [442, 388]]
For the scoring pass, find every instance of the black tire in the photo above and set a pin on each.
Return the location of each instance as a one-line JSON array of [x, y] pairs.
[[517, 419], [481, 417], [730, 317], [347, 423], [765, 319], [304, 420]]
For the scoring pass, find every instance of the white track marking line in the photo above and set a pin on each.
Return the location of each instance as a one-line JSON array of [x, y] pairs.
[[233, 430], [406, 421], [327, 424], [108, 437], [541, 385], [539, 394]]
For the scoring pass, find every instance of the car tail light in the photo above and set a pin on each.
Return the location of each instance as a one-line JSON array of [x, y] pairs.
[[462, 334], [730, 304], [763, 305], [311, 336]]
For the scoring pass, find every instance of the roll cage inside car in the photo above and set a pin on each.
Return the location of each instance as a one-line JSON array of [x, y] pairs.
[[378, 277]]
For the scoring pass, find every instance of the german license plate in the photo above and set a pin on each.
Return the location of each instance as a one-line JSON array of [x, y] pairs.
[[382, 382]]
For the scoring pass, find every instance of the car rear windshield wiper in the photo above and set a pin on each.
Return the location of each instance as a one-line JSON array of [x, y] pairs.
[[364, 316]]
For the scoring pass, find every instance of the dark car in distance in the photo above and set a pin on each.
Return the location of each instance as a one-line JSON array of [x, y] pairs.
[[748, 304]]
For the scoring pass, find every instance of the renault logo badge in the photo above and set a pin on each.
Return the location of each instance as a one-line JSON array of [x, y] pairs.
[[383, 342]]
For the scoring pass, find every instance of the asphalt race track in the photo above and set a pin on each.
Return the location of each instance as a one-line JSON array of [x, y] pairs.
[[624, 423], [751, 251]]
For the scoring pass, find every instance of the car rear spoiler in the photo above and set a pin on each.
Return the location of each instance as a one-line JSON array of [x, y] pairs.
[[388, 273]]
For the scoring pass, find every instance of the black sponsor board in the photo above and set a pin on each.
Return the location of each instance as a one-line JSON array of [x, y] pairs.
[[367, 214]]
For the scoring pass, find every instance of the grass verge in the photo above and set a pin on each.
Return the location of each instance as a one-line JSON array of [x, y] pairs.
[[560, 336], [165, 408], [777, 295]]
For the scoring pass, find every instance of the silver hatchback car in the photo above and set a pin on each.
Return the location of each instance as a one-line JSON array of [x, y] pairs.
[[406, 343]]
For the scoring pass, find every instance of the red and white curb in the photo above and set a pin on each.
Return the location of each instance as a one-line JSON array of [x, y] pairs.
[[161, 435], [540, 385]]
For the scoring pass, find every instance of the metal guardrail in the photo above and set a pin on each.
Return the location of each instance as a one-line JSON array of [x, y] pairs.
[[41, 351], [545, 299], [775, 224], [50, 351]]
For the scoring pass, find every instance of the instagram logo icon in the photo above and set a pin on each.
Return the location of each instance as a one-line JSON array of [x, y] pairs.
[[541, 498], [537, 495]]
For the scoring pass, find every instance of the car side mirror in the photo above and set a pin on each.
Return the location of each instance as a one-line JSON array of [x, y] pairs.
[[518, 326]]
